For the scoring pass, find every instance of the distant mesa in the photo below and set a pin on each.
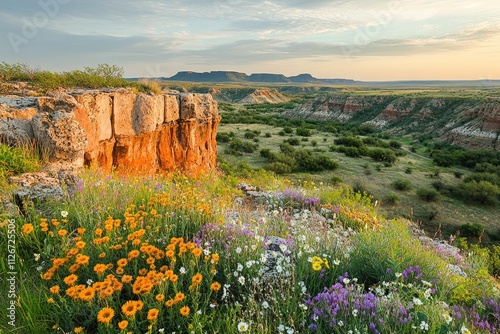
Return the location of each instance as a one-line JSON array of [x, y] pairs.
[[232, 76]]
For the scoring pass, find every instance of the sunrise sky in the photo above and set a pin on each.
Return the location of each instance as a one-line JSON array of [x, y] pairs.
[[361, 40]]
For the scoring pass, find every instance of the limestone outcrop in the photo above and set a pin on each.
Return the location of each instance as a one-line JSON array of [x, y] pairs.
[[117, 129], [465, 121]]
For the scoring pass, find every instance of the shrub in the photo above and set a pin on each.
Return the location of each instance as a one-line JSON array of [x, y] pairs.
[[266, 153], [268, 135], [336, 180], [303, 132], [427, 194], [280, 168], [242, 146], [349, 141], [472, 229], [249, 135], [391, 198], [287, 130], [402, 184], [408, 170], [224, 137], [314, 143], [395, 144], [458, 174], [18, 160], [381, 154], [293, 141], [483, 192]]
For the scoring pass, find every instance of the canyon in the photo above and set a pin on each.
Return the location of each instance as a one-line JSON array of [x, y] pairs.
[[117, 129], [465, 121]]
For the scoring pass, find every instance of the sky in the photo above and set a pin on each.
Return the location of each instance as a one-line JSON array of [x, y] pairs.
[[366, 40]]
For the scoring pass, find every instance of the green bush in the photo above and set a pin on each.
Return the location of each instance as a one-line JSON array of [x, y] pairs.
[[303, 132], [381, 154], [224, 137], [402, 184], [18, 160], [242, 146], [427, 194], [349, 141], [483, 192], [408, 170], [280, 168], [392, 199], [336, 180], [293, 141]]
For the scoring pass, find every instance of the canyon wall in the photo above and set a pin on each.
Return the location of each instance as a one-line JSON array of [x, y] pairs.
[[117, 129], [467, 122]]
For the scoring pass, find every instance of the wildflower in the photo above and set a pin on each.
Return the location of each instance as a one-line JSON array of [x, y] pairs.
[[447, 317], [398, 275], [80, 244], [316, 266], [70, 280], [242, 326], [424, 326], [289, 330], [87, 294], [129, 308], [265, 304], [78, 330], [80, 230], [50, 300], [238, 250], [241, 279], [281, 328], [153, 314], [100, 268], [197, 252], [123, 324], [64, 214], [182, 270], [355, 312], [62, 233], [54, 289], [185, 311], [417, 301], [197, 279], [122, 262], [464, 330], [169, 303], [27, 228], [215, 286], [105, 315], [160, 297], [82, 259], [179, 296], [336, 262], [127, 279]]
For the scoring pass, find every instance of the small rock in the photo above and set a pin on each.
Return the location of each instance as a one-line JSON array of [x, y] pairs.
[[456, 269]]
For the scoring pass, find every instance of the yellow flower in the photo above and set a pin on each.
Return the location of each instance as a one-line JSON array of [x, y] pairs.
[[197, 279], [179, 297], [27, 228], [100, 268], [78, 330], [173, 278], [80, 244], [197, 252], [123, 324], [87, 294], [139, 304], [119, 270], [74, 268], [98, 232], [105, 315], [102, 255], [129, 308], [62, 233], [215, 258], [50, 300], [70, 279], [80, 230], [160, 297], [82, 259], [153, 314], [55, 289], [185, 311], [133, 254], [316, 266], [122, 262], [127, 279], [215, 286], [169, 303]]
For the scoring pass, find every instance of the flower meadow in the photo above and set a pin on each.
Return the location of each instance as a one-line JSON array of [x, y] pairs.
[[169, 254]]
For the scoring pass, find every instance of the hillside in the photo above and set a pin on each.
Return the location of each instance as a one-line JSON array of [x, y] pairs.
[[471, 122]]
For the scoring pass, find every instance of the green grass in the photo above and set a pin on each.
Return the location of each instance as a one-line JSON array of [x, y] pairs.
[[375, 253], [445, 216]]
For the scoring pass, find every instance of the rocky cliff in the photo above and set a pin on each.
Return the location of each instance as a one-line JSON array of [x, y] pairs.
[[468, 122], [117, 129]]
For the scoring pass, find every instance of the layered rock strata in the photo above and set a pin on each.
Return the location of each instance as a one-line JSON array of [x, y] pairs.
[[117, 129]]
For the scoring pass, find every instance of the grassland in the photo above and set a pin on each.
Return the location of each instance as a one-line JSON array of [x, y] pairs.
[[443, 217]]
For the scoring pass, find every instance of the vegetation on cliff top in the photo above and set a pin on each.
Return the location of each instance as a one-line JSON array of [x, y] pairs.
[[101, 76]]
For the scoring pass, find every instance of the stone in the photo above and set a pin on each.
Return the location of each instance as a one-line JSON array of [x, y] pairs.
[[36, 186], [15, 124], [198, 106], [123, 107], [172, 107], [148, 113]]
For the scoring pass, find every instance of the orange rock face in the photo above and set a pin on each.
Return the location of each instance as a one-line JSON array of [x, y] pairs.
[[119, 130], [150, 133]]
